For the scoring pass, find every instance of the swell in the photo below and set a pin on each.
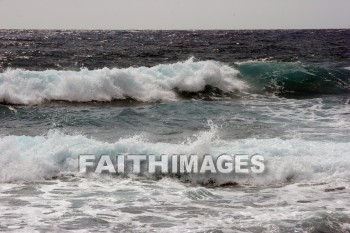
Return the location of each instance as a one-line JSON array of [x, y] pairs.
[[170, 82], [294, 79]]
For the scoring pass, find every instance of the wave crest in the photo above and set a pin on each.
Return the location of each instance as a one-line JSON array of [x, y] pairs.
[[158, 83], [170, 82]]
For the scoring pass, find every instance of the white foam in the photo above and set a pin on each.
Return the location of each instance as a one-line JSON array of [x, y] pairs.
[[156, 83], [25, 158]]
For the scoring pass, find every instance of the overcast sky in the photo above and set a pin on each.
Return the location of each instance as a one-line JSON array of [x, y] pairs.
[[174, 14]]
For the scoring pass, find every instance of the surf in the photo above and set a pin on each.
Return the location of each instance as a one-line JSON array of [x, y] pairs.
[[36, 158], [190, 79], [158, 83]]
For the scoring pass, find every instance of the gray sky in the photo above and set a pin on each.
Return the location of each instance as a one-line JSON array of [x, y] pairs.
[[174, 14]]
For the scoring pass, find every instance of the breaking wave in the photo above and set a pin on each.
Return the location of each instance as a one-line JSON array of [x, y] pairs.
[[170, 82], [158, 83], [27, 158]]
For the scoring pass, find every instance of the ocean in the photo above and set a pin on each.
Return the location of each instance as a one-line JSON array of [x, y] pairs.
[[282, 94]]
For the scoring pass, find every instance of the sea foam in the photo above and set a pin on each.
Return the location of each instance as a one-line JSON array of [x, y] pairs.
[[158, 83], [27, 158]]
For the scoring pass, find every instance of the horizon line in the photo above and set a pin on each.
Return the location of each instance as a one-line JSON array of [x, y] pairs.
[[132, 29]]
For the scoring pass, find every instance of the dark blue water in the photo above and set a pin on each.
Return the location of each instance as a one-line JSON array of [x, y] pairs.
[[67, 50]]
